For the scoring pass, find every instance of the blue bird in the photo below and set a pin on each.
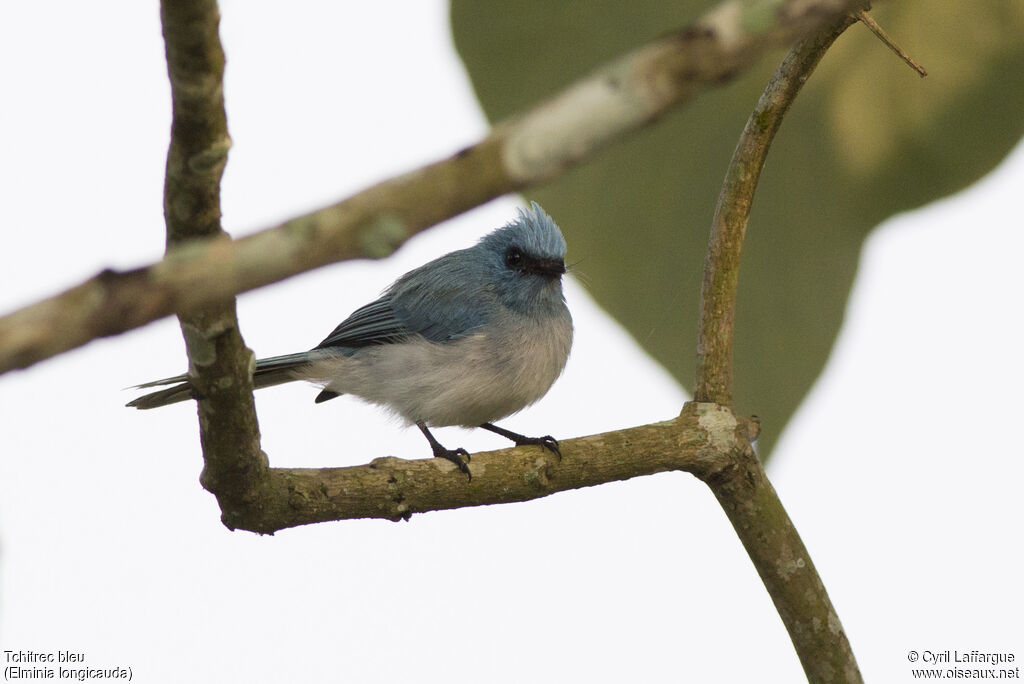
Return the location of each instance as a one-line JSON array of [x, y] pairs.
[[466, 339]]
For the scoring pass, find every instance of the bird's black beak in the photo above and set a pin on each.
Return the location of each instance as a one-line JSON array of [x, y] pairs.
[[550, 268]]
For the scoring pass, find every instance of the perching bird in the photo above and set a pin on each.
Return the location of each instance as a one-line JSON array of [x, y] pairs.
[[466, 339]]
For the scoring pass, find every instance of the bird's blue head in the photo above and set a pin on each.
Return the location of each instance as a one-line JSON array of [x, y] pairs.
[[528, 256]]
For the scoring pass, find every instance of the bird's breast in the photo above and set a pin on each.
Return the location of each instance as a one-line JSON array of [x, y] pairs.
[[489, 374]]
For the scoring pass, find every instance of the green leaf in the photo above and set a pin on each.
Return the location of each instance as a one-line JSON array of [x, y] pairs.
[[866, 139]]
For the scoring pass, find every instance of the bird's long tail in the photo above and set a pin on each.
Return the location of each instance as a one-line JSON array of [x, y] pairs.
[[275, 370]]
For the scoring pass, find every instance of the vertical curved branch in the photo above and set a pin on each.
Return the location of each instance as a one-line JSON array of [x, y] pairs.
[[722, 260], [219, 362], [742, 488]]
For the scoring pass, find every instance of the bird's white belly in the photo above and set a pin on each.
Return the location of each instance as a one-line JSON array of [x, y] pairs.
[[477, 379]]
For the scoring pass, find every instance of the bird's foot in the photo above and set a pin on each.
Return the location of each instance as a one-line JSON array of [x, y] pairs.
[[455, 456], [546, 442]]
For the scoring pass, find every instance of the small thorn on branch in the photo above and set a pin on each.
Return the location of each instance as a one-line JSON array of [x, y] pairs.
[[868, 21]]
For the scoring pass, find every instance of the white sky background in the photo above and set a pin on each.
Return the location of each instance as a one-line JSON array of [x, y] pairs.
[[901, 471]]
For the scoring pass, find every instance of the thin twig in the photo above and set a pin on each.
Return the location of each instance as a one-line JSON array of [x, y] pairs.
[[869, 21], [743, 489], [621, 97]]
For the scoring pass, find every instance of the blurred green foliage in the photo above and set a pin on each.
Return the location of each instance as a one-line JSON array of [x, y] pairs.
[[866, 139]]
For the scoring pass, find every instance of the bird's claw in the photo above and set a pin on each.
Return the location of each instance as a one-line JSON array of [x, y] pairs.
[[456, 457], [551, 444], [546, 442]]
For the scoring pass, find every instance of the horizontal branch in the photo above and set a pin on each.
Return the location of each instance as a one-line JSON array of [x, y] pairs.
[[621, 97], [703, 441]]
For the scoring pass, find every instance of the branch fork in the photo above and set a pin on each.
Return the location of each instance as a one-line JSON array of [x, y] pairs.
[[706, 439]]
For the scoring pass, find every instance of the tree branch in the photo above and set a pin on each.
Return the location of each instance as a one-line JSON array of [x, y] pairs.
[[703, 441], [728, 227], [219, 362], [197, 279], [619, 98], [743, 488], [785, 567]]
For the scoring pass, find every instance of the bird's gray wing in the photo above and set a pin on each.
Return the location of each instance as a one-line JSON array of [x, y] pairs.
[[374, 323], [443, 300]]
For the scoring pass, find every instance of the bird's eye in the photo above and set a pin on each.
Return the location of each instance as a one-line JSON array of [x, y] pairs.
[[513, 257]]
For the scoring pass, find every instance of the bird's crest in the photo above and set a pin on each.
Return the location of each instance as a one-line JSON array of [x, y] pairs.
[[532, 231]]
